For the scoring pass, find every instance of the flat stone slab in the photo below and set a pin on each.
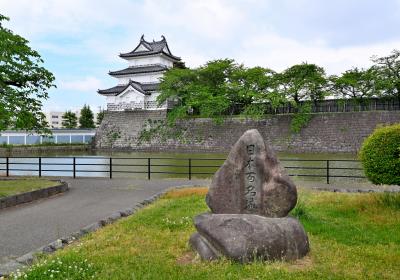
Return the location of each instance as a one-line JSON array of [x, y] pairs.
[[252, 181], [246, 237]]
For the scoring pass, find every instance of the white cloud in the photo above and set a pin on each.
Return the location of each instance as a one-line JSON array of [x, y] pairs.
[[278, 53], [72, 16], [213, 19], [87, 84]]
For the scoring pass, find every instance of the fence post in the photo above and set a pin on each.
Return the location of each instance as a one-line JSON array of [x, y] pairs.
[[148, 168], [7, 166], [110, 164], [74, 167], [190, 169], [327, 172], [40, 166]]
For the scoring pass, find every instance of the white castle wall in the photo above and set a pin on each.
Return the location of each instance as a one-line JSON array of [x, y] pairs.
[[141, 78], [157, 59]]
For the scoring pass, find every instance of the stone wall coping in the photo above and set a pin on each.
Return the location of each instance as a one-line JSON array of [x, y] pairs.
[[14, 200]]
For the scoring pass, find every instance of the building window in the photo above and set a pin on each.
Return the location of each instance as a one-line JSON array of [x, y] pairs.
[[54, 117]]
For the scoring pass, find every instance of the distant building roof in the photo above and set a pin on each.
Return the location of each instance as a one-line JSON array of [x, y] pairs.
[[139, 70], [143, 88], [155, 47]]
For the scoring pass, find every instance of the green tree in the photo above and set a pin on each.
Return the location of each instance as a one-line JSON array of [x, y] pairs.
[[303, 82], [23, 83], [100, 117], [387, 70], [355, 83], [69, 120], [255, 89], [86, 118], [205, 91]]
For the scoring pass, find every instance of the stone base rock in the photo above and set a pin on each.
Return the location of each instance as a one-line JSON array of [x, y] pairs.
[[246, 237]]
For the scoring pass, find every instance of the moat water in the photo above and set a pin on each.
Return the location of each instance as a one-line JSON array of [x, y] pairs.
[[313, 167]]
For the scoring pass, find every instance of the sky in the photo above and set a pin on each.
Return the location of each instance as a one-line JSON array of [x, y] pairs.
[[80, 40]]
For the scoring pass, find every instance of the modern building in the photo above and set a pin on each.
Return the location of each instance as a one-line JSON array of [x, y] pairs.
[[138, 83], [54, 118]]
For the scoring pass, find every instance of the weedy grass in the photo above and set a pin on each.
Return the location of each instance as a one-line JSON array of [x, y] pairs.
[[389, 199], [352, 236], [17, 186]]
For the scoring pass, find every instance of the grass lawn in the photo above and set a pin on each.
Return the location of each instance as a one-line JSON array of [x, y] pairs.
[[352, 236], [12, 187]]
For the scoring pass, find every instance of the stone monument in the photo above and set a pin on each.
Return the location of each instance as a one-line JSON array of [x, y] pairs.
[[250, 197]]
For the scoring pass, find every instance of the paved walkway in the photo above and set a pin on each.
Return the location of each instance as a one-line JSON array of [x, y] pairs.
[[30, 226]]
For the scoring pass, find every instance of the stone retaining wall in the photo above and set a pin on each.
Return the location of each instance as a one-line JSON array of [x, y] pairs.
[[17, 199], [326, 132], [24, 150]]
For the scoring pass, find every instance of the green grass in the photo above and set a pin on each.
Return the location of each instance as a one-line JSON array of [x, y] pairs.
[[352, 236], [17, 186]]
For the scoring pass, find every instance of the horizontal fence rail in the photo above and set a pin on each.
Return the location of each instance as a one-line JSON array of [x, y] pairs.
[[149, 166]]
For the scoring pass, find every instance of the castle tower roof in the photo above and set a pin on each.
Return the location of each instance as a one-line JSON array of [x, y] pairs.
[[145, 48]]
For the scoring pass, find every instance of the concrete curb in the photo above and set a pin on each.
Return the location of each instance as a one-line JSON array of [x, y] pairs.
[[18, 199], [30, 257]]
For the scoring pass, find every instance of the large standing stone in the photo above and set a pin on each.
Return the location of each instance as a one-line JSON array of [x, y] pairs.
[[251, 181], [244, 237]]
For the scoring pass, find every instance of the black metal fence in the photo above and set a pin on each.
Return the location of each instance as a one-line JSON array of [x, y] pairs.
[[343, 105], [329, 106], [147, 167]]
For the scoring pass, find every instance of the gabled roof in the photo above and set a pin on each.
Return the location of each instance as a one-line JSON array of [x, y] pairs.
[[139, 70], [155, 47], [143, 88]]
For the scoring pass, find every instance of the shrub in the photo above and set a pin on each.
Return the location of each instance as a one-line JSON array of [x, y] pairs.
[[380, 155]]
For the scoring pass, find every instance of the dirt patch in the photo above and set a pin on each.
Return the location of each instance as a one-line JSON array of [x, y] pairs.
[[187, 258], [186, 192], [305, 263]]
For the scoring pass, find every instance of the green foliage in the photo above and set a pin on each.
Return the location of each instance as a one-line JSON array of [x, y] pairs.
[[23, 84], [301, 118], [390, 200], [303, 82], [380, 155], [212, 90], [158, 129], [355, 83], [387, 74], [69, 120], [100, 117], [86, 118]]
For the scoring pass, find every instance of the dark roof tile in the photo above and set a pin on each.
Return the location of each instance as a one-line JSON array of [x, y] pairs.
[[139, 70], [155, 47], [143, 88]]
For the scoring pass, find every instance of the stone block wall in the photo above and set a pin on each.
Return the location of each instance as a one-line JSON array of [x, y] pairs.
[[327, 132], [120, 129]]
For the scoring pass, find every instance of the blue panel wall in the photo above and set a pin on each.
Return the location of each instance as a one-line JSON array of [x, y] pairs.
[[62, 138], [48, 140], [17, 140], [77, 139], [32, 139], [3, 139]]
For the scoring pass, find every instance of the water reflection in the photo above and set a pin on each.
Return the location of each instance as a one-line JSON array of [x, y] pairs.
[[312, 167]]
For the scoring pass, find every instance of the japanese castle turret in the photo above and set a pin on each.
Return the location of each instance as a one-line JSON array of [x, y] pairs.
[[138, 84]]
